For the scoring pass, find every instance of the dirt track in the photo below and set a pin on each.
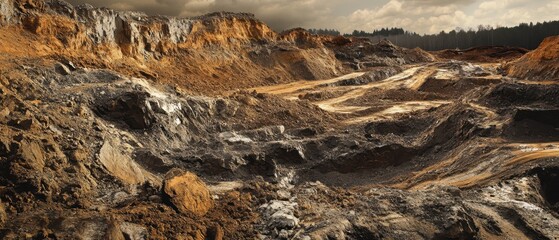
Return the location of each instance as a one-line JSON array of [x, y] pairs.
[[412, 78]]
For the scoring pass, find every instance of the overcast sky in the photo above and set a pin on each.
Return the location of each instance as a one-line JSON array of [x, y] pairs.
[[421, 16]]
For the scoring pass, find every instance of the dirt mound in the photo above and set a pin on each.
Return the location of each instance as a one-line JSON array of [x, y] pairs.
[[488, 54], [259, 110], [549, 178], [362, 54], [533, 125], [540, 64], [188, 193], [506, 95], [452, 89]]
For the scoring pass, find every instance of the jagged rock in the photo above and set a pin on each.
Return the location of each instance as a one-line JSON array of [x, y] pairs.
[[266, 133], [130, 107], [215, 233], [151, 161], [114, 231], [133, 231], [32, 154], [118, 162], [280, 214], [62, 69], [233, 137], [25, 124], [286, 154], [188, 193]]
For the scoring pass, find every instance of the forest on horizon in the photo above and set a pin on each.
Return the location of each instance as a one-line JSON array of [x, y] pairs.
[[525, 35]]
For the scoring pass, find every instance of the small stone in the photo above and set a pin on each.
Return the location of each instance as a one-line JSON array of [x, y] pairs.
[[71, 65], [155, 199], [133, 231], [62, 69], [280, 214], [283, 194], [284, 234], [26, 124], [119, 197], [215, 233]]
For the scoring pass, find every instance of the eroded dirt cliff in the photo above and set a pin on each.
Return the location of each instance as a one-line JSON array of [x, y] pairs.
[[541, 64], [224, 50]]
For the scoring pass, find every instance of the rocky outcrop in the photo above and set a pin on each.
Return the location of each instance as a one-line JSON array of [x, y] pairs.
[[362, 54], [226, 50], [6, 12], [115, 157], [303, 38], [489, 54], [134, 33], [188, 193], [540, 64]]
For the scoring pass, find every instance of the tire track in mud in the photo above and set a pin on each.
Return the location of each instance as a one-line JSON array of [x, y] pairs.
[[497, 163], [288, 88], [449, 172], [411, 78], [403, 107]]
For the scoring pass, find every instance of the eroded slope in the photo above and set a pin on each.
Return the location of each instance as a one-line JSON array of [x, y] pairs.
[[540, 64]]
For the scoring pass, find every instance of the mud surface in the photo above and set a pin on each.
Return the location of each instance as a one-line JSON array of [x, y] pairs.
[[370, 141]]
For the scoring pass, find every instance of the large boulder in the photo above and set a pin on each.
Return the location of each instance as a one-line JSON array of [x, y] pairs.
[[188, 193], [115, 156]]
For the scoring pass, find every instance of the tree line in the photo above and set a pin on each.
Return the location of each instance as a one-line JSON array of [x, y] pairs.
[[525, 35], [381, 32], [332, 32]]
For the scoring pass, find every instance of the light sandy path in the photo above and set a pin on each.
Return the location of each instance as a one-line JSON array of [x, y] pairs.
[[395, 81], [412, 78], [404, 107], [490, 168], [302, 85]]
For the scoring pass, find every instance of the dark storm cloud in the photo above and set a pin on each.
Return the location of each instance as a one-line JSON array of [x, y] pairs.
[[423, 16], [163, 7], [280, 14], [441, 2]]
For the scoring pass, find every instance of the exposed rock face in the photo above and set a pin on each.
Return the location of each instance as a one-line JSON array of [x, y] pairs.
[[132, 107], [280, 214], [188, 193], [483, 54], [115, 157], [6, 12], [362, 54], [540, 64], [247, 49]]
